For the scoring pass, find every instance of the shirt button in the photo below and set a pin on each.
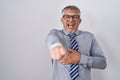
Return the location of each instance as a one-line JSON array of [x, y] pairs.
[[84, 66]]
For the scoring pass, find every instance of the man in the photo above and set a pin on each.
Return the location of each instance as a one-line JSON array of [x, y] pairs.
[[73, 52]]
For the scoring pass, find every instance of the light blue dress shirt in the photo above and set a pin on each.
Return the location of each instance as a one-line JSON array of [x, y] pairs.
[[91, 54]]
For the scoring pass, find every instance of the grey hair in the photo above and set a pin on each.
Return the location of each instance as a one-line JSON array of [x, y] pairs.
[[71, 7]]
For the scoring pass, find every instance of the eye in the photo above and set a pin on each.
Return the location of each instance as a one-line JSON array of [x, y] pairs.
[[66, 16], [76, 16]]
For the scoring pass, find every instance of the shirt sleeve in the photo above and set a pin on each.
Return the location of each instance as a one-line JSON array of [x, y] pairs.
[[52, 39], [96, 59]]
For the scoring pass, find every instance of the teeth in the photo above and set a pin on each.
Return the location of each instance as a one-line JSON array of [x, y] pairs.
[[70, 24]]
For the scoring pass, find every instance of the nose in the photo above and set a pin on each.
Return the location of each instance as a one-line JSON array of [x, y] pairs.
[[71, 18]]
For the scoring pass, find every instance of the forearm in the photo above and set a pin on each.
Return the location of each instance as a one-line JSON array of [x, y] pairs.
[[95, 58], [52, 40], [98, 62]]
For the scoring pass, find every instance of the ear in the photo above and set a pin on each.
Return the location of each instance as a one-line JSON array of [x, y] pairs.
[[80, 21], [61, 20]]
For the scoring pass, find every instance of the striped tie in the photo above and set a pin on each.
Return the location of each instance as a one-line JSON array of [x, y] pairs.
[[74, 68]]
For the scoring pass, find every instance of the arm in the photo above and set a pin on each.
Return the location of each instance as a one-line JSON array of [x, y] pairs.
[[96, 59], [57, 51]]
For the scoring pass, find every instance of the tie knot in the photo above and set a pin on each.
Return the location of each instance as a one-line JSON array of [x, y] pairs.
[[71, 35]]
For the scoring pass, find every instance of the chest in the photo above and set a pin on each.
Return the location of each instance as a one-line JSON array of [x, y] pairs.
[[84, 43]]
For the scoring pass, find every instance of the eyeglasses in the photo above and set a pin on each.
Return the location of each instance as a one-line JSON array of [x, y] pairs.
[[67, 17]]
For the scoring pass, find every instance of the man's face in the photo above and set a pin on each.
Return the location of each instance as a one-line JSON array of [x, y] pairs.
[[71, 20]]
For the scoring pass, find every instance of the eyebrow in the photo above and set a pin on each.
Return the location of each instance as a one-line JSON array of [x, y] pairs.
[[70, 15]]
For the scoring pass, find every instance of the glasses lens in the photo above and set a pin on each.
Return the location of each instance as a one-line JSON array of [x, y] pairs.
[[67, 17]]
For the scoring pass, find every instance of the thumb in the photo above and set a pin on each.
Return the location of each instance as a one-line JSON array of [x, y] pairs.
[[62, 51], [70, 50]]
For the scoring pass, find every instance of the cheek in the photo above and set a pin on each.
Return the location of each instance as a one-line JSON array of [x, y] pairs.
[[63, 22], [77, 24]]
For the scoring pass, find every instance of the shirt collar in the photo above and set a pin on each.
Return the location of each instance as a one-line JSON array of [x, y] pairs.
[[66, 33]]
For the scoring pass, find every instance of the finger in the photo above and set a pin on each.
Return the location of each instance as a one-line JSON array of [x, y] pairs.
[[64, 58], [56, 54], [63, 51], [53, 55], [67, 59], [71, 50], [61, 57]]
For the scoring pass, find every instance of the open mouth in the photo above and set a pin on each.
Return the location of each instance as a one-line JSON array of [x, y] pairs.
[[70, 25]]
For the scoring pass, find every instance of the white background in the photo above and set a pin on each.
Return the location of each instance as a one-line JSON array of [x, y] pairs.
[[24, 25]]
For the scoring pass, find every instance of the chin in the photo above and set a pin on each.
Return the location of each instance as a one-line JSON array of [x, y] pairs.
[[72, 31]]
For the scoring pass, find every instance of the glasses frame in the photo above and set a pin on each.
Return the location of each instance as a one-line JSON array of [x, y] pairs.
[[74, 17]]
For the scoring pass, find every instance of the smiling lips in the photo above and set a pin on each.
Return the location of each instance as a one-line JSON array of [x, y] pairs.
[[70, 25]]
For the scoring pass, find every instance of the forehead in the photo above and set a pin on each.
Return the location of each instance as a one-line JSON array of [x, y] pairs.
[[70, 12]]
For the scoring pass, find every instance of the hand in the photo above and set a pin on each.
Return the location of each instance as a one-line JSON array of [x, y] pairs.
[[72, 58], [57, 53]]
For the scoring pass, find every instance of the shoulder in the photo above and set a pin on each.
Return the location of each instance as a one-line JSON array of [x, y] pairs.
[[55, 32], [86, 34]]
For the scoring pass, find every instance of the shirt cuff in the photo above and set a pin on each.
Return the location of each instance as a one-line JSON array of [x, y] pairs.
[[84, 59], [55, 44]]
